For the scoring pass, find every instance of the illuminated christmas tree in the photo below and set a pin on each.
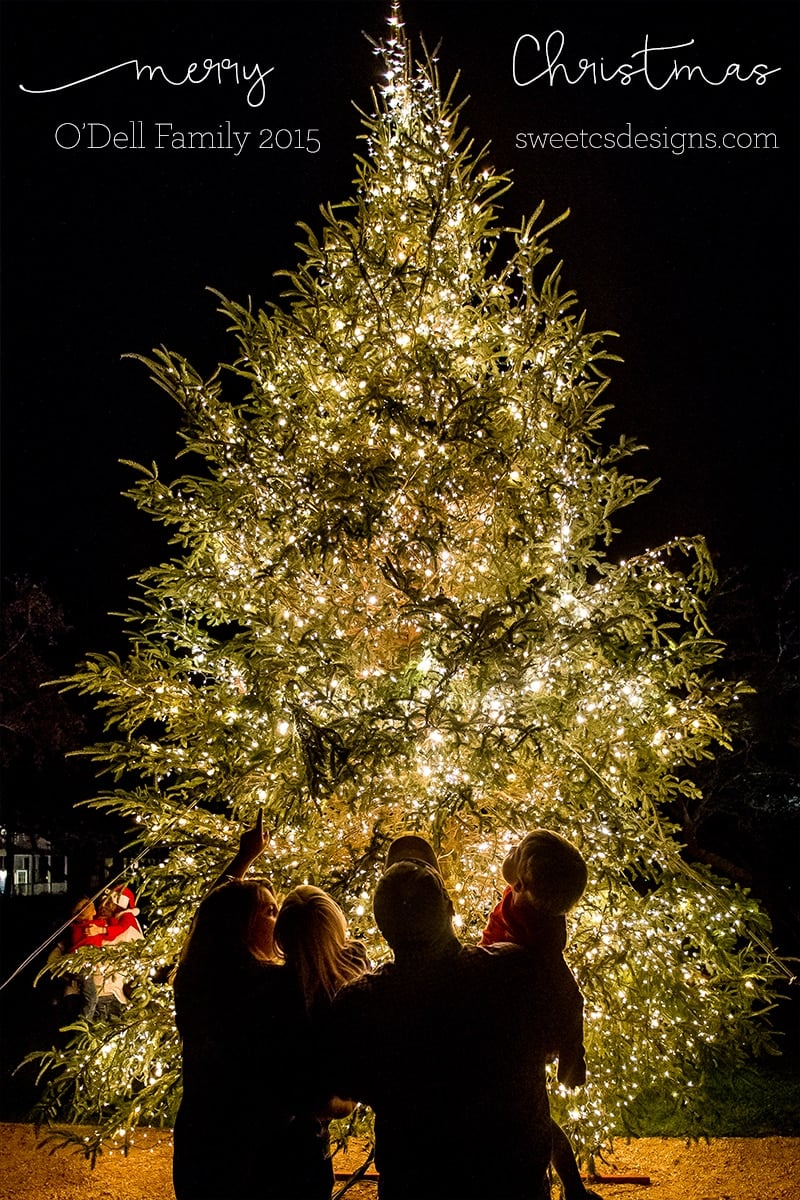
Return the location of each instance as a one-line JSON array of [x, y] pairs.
[[395, 605]]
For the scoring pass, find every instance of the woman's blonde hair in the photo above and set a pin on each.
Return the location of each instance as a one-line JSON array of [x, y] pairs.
[[311, 932]]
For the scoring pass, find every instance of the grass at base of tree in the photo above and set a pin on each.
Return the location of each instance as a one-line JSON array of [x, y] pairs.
[[752, 1102]]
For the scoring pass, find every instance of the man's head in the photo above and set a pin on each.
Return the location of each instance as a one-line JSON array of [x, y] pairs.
[[412, 907], [412, 847]]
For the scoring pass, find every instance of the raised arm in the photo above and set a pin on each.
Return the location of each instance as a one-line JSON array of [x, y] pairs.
[[252, 844]]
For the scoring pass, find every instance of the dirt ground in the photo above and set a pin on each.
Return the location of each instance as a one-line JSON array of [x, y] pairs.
[[652, 1169]]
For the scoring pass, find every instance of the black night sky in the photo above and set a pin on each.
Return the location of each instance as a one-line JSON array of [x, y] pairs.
[[691, 257]]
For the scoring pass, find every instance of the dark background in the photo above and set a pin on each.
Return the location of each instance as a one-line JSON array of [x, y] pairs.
[[691, 258]]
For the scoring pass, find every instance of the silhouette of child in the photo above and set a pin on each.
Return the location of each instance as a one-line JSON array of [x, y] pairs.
[[546, 877]]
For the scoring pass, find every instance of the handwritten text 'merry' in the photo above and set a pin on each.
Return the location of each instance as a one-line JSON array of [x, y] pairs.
[[213, 70]]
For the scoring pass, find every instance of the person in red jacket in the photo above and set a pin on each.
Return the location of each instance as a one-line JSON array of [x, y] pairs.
[[546, 877], [85, 929], [122, 915], [119, 913], [116, 920]]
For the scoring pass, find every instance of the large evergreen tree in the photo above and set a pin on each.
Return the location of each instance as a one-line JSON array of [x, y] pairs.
[[395, 605]]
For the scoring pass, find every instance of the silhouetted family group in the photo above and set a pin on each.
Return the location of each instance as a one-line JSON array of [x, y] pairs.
[[285, 1026]]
